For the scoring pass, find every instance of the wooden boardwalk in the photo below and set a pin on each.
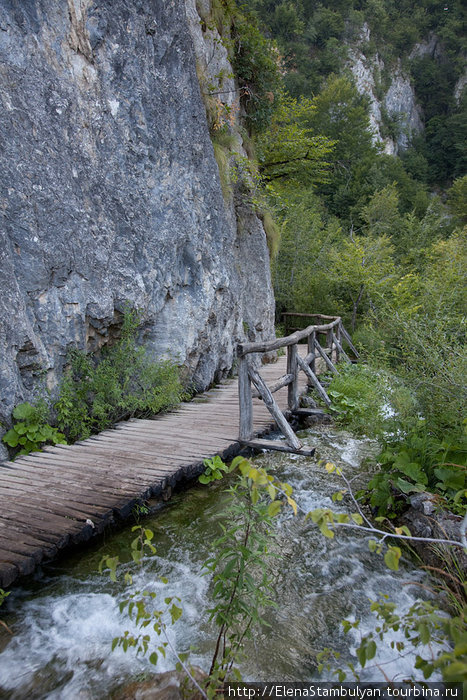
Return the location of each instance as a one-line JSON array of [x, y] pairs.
[[63, 496]]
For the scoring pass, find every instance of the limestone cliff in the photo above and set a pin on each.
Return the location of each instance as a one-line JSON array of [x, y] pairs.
[[393, 102], [110, 193]]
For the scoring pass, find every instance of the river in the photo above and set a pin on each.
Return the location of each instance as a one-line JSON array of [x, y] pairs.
[[64, 619]]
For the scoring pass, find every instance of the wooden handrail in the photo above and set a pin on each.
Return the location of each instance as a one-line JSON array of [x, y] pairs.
[[293, 339], [248, 374]]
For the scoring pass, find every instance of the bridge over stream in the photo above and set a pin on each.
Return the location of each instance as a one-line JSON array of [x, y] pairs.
[[66, 494]]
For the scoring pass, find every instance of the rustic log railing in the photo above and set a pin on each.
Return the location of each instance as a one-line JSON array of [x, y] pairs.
[[249, 375]]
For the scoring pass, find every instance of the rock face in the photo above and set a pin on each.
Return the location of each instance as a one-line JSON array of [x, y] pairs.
[[110, 194], [396, 104]]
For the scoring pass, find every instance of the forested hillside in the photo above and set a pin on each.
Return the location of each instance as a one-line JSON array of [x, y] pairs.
[[378, 238]]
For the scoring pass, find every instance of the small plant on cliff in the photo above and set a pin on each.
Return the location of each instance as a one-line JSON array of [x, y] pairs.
[[122, 382], [32, 431]]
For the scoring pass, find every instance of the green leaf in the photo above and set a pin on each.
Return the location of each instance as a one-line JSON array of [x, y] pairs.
[[274, 508], [407, 487], [410, 469], [455, 672], [357, 518], [371, 650], [391, 558], [325, 530], [175, 612], [342, 518], [24, 411], [361, 654], [153, 658], [11, 438], [424, 632]]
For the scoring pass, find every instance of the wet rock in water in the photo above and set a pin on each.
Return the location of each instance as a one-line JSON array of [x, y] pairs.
[[171, 685], [425, 518]]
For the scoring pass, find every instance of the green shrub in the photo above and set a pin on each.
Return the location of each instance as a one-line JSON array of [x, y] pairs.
[[32, 430], [418, 462], [123, 382], [370, 402]]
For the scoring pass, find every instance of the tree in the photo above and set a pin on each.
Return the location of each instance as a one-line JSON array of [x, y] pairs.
[[288, 149], [341, 114], [457, 199], [364, 267]]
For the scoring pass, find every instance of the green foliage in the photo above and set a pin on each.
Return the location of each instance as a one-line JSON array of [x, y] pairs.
[[289, 149], [3, 595], [32, 431], [273, 233], [256, 65], [457, 198], [124, 381], [419, 462], [215, 469]]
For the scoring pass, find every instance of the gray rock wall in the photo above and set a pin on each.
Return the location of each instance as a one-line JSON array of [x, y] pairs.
[[399, 100], [110, 193]]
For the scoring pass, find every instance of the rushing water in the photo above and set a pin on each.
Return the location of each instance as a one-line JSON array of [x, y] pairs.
[[64, 621]]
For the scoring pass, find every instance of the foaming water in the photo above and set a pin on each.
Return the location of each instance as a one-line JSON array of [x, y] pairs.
[[65, 621]]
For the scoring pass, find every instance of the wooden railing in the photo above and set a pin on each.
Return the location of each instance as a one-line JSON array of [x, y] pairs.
[[249, 375]]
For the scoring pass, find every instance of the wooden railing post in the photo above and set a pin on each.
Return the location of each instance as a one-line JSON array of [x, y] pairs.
[[338, 337], [292, 368], [245, 399], [312, 350], [329, 342]]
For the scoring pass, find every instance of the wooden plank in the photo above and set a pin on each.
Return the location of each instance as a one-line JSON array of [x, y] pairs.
[[277, 446]]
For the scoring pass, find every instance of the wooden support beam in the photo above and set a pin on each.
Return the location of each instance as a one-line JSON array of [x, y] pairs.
[[329, 342], [283, 381], [340, 348], [319, 388], [245, 400], [349, 341], [325, 357], [274, 409]]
